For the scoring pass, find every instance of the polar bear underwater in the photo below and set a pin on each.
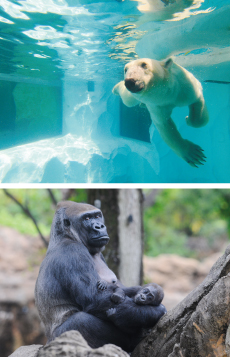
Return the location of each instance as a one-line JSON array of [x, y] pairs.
[[162, 86]]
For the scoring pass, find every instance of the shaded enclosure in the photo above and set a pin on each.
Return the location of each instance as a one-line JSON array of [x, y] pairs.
[[29, 111]]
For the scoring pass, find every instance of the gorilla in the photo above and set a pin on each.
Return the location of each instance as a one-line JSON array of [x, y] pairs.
[[149, 294], [67, 293]]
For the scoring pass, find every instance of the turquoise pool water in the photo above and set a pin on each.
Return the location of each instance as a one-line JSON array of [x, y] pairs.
[[59, 60]]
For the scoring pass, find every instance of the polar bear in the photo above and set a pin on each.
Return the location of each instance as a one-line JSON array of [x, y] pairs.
[[162, 86]]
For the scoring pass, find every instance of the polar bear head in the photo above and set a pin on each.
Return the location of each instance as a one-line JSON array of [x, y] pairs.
[[144, 73]]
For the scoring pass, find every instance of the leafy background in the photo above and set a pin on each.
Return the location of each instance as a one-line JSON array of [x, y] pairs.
[[177, 222]]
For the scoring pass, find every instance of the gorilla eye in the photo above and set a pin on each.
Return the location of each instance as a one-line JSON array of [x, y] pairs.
[[144, 65], [86, 218], [66, 222]]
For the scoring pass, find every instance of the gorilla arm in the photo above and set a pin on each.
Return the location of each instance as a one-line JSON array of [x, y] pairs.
[[76, 277], [126, 96], [188, 151], [128, 291], [130, 317], [149, 294]]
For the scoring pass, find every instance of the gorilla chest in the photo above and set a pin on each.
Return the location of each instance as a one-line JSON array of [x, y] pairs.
[[103, 271]]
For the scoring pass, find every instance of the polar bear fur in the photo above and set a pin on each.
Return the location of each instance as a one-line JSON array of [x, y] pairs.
[[162, 86]]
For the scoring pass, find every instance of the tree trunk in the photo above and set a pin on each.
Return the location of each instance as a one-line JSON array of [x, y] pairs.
[[107, 201], [6, 328], [199, 325], [123, 214], [130, 229]]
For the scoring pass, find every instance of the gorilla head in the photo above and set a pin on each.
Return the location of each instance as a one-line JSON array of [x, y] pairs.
[[80, 222], [150, 294]]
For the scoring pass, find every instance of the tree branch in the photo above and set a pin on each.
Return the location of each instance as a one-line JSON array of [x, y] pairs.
[[29, 214], [67, 193], [53, 199], [150, 197]]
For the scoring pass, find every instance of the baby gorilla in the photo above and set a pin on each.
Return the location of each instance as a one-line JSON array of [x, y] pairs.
[[141, 298], [150, 294]]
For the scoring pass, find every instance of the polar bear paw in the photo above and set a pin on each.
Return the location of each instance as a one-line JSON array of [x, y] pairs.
[[116, 88], [193, 154]]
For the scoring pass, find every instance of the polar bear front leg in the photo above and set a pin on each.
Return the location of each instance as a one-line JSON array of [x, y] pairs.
[[188, 151], [126, 96], [198, 114]]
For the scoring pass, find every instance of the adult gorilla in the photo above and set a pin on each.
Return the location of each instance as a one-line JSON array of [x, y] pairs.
[[67, 285]]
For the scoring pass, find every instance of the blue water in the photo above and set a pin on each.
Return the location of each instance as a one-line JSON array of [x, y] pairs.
[[59, 60]]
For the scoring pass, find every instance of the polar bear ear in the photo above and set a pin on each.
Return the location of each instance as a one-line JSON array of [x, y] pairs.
[[168, 63]]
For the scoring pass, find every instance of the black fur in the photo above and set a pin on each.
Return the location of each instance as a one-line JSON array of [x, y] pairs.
[[133, 308]]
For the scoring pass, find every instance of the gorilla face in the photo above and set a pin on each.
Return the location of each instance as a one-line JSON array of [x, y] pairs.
[[83, 222], [145, 296], [93, 228]]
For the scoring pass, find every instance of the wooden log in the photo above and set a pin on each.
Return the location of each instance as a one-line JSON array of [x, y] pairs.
[[198, 326]]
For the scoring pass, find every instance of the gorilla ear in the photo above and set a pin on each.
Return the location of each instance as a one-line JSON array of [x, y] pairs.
[[167, 63]]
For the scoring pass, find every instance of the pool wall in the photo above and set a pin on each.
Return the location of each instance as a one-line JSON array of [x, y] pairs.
[[91, 150]]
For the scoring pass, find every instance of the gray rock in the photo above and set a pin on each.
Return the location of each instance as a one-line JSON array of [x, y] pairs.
[[27, 351], [227, 342], [72, 344]]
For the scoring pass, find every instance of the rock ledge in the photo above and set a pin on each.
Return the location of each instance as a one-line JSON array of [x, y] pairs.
[[69, 344]]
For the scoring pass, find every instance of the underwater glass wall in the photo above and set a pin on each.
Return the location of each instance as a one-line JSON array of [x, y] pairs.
[[59, 62]]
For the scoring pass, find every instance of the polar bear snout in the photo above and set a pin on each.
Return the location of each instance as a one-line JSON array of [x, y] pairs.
[[134, 86]]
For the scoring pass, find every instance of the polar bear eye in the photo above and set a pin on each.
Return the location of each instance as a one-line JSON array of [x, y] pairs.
[[144, 65], [126, 69]]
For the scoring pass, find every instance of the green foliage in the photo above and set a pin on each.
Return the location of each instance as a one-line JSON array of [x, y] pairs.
[[37, 200], [40, 205], [176, 215], [79, 195], [180, 213], [165, 240]]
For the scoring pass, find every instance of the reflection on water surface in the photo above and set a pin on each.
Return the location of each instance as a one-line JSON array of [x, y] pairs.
[[87, 39]]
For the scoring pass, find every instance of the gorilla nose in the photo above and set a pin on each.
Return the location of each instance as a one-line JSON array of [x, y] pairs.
[[98, 226], [130, 84]]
